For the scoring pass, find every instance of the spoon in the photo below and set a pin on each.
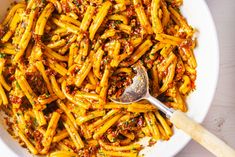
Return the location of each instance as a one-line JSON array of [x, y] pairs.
[[139, 90]]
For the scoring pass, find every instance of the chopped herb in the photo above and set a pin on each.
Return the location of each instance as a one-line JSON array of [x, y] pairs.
[[2, 55], [169, 99], [178, 10], [118, 22], [147, 57], [121, 137], [47, 95], [105, 61], [101, 152], [17, 85], [76, 3], [35, 122], [34, 8], [113, 140], [133, 148]]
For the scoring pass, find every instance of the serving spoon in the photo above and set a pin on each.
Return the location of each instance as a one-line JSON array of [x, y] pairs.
[[139, 90]]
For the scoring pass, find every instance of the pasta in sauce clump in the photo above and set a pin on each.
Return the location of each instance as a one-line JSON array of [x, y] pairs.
[[61, 60]]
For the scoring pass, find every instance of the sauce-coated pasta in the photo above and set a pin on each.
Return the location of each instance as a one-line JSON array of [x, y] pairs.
[[61, 60]]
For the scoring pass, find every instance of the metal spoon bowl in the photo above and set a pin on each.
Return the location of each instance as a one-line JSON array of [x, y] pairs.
[[139, 90]]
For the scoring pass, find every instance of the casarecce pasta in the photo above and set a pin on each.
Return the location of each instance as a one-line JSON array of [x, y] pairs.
[[61, 60]]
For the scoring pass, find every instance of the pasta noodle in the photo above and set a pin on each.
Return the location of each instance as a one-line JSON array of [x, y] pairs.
[[62, 60]]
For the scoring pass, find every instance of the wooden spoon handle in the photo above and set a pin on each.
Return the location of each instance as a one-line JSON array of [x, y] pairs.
[[201, 135]]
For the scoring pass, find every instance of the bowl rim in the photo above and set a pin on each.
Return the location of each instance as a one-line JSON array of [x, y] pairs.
[[217, 72]]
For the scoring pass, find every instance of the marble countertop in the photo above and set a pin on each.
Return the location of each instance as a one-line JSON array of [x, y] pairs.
[[221, 117]]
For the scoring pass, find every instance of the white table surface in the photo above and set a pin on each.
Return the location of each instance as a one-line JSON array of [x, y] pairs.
[[221, 117]]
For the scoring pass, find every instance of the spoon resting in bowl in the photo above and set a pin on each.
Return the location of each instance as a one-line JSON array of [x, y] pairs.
[[139, 90]]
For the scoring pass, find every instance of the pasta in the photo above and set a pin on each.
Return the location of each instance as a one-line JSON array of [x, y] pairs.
[[61, 61]]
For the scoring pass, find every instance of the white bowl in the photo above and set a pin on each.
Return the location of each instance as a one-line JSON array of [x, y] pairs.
[[207, 55]]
